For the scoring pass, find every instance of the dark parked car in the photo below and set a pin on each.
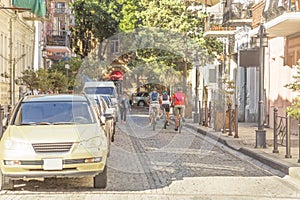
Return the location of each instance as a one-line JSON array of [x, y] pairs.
[[139, 99]]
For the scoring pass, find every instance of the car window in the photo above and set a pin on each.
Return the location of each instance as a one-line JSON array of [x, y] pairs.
[[100, 90], [108, 101], [54, 112]]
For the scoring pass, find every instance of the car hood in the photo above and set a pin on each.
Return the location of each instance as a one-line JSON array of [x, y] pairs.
[[54, 133]]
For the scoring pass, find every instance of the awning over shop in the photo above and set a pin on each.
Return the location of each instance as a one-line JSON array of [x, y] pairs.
[[58, 49], [116, 75]]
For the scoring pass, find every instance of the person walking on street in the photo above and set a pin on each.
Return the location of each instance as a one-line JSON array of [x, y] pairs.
[[178, 101], [154, 102], [166, 103], [124, 106]]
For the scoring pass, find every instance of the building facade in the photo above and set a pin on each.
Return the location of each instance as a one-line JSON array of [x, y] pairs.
[[281, 21], [17, 39], [56, 33]]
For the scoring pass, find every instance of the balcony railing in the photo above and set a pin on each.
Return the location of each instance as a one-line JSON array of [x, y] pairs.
[[216, 24], [58, 40], [273, 10], [239, 12]]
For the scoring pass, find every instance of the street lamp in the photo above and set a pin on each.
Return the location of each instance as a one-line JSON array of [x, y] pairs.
[[67, 67], [262, 37], [44, 55]]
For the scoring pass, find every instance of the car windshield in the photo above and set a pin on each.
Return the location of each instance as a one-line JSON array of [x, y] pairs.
[[54, 113], [100, 90]]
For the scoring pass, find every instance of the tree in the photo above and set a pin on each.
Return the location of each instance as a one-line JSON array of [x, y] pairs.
[[58, 82], [294, 109], [129, 20], [44, 80], [94, 19], [168, 15], [75, 64]]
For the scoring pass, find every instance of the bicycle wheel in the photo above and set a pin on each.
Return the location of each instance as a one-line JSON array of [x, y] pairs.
[[179, 125], [165, 119], [154, 120]]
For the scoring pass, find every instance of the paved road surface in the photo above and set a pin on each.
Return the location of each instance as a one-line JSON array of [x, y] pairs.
[[164, 164]]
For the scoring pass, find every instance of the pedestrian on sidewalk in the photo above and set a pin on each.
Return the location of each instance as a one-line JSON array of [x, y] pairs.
[[124, 106]]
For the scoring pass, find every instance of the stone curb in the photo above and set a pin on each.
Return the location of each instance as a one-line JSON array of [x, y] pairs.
[[255, 155]]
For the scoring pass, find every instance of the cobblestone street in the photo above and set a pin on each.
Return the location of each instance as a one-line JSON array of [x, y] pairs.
[[164, 164]]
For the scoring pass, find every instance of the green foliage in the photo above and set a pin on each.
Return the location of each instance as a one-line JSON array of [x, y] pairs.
[[167, 16], [229, 89], [129, 20], [44, 80], [294, 109], [75, 64], [180, 31], [58, 82], [99, 19]]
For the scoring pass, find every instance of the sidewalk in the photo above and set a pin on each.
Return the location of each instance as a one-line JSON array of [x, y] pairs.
[[246, 141]]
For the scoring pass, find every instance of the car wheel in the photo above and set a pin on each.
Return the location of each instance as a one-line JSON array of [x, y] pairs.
[[113, 133], [5, 183], [100, 181], [108, 142], [141, 103]]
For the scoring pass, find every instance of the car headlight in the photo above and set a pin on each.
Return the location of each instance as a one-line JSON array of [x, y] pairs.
[[15, 145], [93, 143]]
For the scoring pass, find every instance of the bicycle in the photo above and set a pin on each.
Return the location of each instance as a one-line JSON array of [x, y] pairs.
[[180, 121], [154, 118], [165, 118]]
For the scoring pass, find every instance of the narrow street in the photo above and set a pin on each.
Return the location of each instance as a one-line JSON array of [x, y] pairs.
[[146, 164]]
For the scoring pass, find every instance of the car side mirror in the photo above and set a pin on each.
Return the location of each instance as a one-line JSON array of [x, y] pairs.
[[3, 126], [102, 120], [4, 122], [108, 116]]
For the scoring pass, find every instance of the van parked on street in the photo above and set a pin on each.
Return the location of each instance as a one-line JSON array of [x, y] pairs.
[[95, 88]]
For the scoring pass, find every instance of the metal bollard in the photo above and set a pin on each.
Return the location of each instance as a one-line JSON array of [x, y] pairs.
[[288, 138], [201, 113], [206, 114], [299, 139], [275, 150], [236, 122], [230, 120], [1, 119]]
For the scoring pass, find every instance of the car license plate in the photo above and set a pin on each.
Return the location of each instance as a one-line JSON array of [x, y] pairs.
[[52, 164]]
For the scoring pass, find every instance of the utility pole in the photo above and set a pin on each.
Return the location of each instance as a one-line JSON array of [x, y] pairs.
[[196, 114], [11, 71]]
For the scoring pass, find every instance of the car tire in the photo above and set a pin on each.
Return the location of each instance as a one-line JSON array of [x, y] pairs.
[[108, 143], [113, 133], [5, 183], [100, 180], [141, 103]]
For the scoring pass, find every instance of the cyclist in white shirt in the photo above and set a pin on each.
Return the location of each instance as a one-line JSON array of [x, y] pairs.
[[154, 101]]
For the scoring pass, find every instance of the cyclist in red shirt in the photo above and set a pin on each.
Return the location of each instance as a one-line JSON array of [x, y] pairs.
[[178, 101]]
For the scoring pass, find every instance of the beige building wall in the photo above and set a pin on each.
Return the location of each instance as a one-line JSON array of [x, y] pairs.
[[16, 49]]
